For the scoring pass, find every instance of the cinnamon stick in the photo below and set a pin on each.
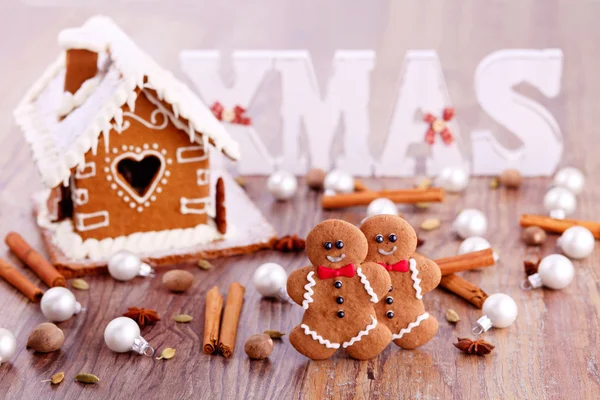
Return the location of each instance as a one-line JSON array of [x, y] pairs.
[[231, 317], [464, 289], [466, 262], [212, 320], [34, 260], [20, 282], [428, 195], [359, 186], [558, 225]]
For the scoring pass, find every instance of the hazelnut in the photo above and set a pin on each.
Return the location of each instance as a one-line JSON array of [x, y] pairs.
[[533, 236], [315, 178], [46, 338], [511, 178], [259, 346], [178, 280]]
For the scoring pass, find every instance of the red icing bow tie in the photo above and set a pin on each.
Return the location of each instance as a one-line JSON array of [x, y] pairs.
[[328, 273], [236, 115], [400, 266], [439, 125]]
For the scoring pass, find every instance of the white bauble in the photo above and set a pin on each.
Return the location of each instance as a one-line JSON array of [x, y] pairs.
[[8, 345], [339, 181], [381, 206], [125, 265], [473, 243], [501, 309], [570, 178], [282, 185], [453, 179], [59, 304], [556, 271], [122, 334], [577, 242], [270, 279], [470, 222], [560, 202]]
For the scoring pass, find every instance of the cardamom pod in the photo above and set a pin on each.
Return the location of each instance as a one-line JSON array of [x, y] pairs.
[[80, 284], [205, 265], [452, 316], [274, 334], [87, 378], [167, 354], [183, 318], [494, 183], [57, 378], [430, 224]]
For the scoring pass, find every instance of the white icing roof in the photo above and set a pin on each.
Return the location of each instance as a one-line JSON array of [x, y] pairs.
[[60, 145]]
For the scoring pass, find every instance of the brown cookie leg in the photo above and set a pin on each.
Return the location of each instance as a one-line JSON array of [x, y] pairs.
[[308, 346], [371, 345], [419, 335]]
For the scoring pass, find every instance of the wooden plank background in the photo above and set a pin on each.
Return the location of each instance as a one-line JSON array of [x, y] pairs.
[[551, 352]]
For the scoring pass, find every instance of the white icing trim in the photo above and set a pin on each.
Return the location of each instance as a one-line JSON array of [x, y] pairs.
[[415, 277], [129, 68], [120, 128], [80, 219], [138, 157], [184, 209], [202, 176], [181, 150], [80, 196], [410, 326], [80, 170], [70, 101], [81, 38], [156, 242], [362, 333], [309, 291], [319, 338], [367, 285]]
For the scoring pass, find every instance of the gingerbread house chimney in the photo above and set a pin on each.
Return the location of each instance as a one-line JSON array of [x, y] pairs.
[[82, 47]]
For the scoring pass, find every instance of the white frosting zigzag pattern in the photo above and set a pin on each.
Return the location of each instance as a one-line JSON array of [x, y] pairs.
[[362, 333], [367, 285], [415, 278], [319, 338], [309, 291], [410, 326]]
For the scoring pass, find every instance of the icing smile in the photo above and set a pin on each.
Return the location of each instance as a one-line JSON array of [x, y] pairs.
[[336, 259], [387, 253]]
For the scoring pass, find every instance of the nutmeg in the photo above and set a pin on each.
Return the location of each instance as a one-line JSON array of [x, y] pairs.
[[315, 178], [511, 178], [178, 280], [533, 235], [259, 346], [46, 338]]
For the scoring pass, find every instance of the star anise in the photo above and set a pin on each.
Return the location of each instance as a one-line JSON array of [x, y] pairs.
[[479, 347], [142, 316], [289, 243]]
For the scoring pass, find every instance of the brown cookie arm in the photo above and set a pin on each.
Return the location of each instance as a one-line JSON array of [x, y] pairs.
[[296, 282], [429, 272], [378, 277]]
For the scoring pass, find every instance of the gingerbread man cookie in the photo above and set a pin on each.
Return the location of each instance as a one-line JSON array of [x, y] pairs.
[[338, 294], [392, 244]]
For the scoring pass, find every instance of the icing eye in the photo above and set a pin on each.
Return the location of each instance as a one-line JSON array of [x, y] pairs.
[[339, 244], [328, 245], [392, 238], [379, 238]]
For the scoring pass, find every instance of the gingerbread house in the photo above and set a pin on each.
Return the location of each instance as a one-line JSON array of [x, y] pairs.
[[124, 149]]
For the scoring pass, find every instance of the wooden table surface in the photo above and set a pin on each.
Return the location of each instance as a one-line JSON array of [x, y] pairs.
[[550, 352]]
